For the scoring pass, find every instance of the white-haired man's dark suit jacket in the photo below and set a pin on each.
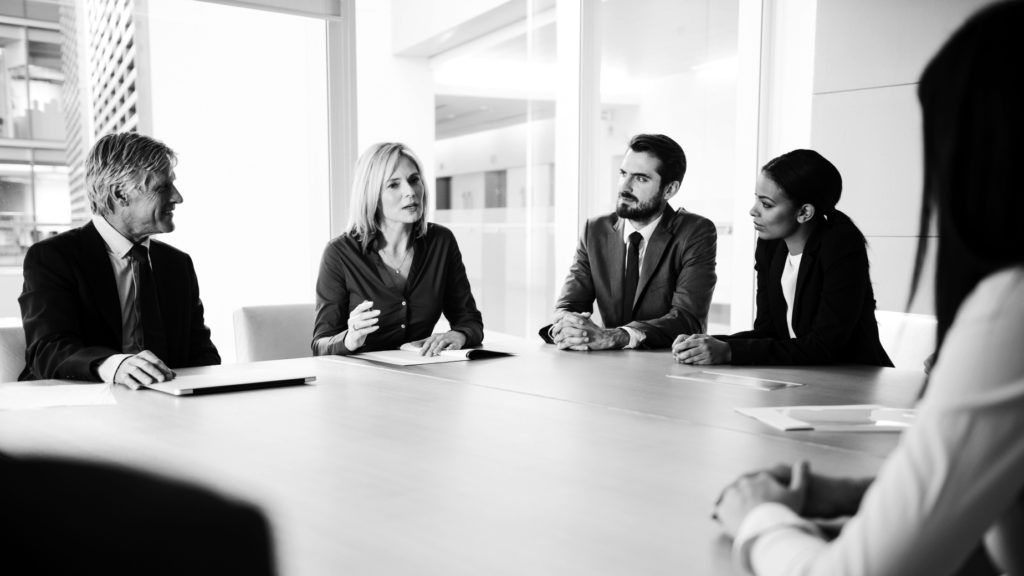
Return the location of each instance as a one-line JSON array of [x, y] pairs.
[[72, 313]]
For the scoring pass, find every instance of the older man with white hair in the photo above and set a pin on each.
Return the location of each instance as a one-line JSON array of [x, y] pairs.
[[106, 302]]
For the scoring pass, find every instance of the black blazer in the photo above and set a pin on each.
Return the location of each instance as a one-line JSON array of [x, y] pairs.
[[834, 305], [676, 283], [72, 314]]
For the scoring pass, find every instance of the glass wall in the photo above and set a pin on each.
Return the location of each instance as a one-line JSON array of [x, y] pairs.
[[470, 87], [34, 200], [30, 84], [494, 149], [680, 80], [248, 119]]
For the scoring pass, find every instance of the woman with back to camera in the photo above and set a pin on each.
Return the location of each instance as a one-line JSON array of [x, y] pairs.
[[815, 304], [388, 278], [957, 476]]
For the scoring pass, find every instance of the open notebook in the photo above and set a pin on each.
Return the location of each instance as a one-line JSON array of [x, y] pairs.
[[409, 355], [843, 418]]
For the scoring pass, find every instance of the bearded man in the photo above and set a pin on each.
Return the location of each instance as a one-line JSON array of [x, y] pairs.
[[651, 268]]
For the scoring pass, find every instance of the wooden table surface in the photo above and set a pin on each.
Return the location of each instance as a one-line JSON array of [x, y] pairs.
[[546, 462]]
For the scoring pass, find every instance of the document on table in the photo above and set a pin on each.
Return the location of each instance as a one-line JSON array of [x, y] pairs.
[[841, 418], [232, 378], [50, 393], [736, 380], [409, 355]]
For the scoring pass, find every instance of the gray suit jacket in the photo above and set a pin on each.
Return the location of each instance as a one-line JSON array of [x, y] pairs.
[[677, 277]]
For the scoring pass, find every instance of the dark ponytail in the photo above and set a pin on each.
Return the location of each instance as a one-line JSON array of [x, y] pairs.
[[807, 177]]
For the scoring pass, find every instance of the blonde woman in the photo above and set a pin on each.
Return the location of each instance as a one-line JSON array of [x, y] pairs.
[[388, 278]]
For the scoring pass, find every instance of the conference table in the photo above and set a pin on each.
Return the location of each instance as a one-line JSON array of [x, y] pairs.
[[543, 462]]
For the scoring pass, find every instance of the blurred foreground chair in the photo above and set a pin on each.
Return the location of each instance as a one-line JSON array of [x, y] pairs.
[[73, 517], [907, 338], [273, 332], [12, 349]]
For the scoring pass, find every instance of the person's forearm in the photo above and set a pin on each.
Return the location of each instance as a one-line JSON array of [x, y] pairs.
[[856, 488], [830, 497], [616, 338], [328, 345]]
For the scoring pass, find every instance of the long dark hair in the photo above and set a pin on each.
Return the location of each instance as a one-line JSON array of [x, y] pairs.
[[807, 177], [972, 99]]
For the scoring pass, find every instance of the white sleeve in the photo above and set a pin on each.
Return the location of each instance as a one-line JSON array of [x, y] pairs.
[[635, 337], [778, 534], [108, 367], [953, 474]]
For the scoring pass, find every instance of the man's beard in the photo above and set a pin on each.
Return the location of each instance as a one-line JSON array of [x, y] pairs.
[[641, 211]]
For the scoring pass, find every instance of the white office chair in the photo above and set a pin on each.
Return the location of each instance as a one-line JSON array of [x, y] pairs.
[[12, 349], [907, 338], [273, 332]]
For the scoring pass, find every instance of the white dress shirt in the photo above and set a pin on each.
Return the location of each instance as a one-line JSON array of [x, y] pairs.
[[957, 473], [789, 274], [635, 336], [117, 251]]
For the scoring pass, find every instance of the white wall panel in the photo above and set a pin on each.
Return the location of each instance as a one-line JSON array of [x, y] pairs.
[[866, 43], [874, 138], [892, 267]]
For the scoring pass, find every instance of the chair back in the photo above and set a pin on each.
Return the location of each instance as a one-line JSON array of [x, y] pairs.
[[907, 338], [273, 332], [12, 349]]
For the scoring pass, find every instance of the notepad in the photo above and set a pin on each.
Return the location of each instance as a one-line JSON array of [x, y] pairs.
[[840, 418], [409, 355]]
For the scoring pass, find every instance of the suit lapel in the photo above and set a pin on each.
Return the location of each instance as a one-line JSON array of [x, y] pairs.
[[806, 263], [100, 276], [616, 263], [164, 278], [778, 304], [660, 239]]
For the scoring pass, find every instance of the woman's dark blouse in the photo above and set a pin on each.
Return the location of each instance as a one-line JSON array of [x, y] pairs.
[[437, 283], [834, 305]]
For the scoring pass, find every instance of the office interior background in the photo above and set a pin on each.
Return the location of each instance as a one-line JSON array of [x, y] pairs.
[[519, 109]]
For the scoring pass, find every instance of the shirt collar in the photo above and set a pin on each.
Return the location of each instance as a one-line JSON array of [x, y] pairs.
[[116, 243], [628, 228]]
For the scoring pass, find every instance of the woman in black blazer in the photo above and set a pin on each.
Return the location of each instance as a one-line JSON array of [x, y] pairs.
[[815, 304]]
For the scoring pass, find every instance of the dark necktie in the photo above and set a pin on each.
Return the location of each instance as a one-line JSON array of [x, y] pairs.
[[632, 276], [146, 304]]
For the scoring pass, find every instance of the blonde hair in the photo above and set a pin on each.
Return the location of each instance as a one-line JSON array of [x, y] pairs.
[[373, 169]]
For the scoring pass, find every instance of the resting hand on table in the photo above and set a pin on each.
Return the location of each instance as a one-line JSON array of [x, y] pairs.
[[576, 331], [142, 369], [826, 496], [750, 490], [362, 321], [700, 349], [433, 345]]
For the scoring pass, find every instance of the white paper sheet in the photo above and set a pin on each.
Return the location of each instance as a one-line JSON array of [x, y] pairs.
[[841, 418], [409, 358], [409, 355]]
